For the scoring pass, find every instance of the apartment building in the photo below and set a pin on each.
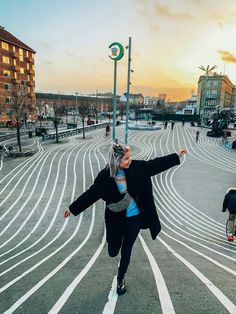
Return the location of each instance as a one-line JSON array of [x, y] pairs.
[[215, 93], [17, 78]]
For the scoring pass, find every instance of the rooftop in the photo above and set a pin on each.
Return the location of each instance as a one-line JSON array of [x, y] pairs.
[[9, 38]]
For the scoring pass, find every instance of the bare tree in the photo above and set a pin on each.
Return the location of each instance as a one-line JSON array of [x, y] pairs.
[[40, 106], [83, 110], [17, 111], [57, 116]]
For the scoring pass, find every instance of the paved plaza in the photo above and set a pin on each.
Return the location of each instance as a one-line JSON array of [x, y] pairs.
[[51, 265]]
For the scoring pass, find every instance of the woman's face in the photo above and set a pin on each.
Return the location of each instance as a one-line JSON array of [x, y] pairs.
[[125, 160]]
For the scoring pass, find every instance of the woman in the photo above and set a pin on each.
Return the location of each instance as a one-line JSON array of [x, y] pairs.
[[229, 203], [125, 185]]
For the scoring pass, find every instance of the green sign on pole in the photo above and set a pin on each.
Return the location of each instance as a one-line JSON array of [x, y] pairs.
[[117, 51]]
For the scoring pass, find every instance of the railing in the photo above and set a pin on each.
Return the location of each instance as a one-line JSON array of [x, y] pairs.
[[70, 132]]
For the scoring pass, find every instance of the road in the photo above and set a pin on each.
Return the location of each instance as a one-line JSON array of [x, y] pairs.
[[50, 265]]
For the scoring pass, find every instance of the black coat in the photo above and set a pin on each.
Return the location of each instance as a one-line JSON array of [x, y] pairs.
[[139, 186], [230, 201]]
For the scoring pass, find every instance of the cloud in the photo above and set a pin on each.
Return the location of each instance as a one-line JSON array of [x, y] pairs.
[[149, 9], [164, 10], [227, 56], [224, 18], [47, 62]]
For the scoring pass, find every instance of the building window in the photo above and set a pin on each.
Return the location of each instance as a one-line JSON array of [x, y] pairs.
[[28, 66], [6, 73], [8, 99], [13, 48], [6, 86], [214, 83], [214, 92], [27, 53], [14, 61], [5, 46], [5, 60], [207, 93], [21, 54], [15, 75], [22, 71]]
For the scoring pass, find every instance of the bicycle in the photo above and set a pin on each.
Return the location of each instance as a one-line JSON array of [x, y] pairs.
[[3, 152], [6, 152], [229, 235]]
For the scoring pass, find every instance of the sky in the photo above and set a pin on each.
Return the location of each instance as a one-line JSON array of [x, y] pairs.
[[170, 40]]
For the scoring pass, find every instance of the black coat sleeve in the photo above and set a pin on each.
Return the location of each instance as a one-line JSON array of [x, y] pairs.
[[160, 164], [85, 200]]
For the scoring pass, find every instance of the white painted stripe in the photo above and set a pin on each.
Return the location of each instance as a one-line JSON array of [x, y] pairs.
[[165, 299], [229, 270], [216, 292], [112, 299], [67, 293]]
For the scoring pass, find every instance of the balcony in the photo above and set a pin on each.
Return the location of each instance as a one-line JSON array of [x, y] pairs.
[[14, 54], [15, 68], [31, 95], [16, 81], [31, 83], [31, 72], [30, 60], [16, 94]]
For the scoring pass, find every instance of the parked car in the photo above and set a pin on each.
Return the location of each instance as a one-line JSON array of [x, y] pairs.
[[12, 124], [90, 121], [40, 131]]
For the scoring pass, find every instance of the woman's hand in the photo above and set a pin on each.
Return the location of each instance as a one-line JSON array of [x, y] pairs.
[[181, 152], [66, 213]]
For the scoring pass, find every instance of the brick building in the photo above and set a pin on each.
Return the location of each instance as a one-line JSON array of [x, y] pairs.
[[17, 77]]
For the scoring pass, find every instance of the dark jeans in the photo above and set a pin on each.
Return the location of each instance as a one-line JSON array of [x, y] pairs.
[[121, 234]]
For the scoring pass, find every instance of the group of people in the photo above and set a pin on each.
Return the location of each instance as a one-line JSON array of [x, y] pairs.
[[126, 187], [172, 124]]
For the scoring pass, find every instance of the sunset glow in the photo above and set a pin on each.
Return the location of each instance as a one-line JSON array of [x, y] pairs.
[[170, 40]]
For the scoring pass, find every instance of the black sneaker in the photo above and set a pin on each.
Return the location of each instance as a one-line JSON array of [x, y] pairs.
[[121, 288]]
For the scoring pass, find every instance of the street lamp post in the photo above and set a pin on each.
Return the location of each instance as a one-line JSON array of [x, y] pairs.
[[127, 96], [117, 51], [163, 98], [76, 94], [202, 107], [23, 83]]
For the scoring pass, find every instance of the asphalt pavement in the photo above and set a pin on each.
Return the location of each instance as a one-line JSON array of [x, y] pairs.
[[51, 265]]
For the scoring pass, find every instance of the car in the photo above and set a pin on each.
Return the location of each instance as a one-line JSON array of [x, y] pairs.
[[90, 121], [12, 124]]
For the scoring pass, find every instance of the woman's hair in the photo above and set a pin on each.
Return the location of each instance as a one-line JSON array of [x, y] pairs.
[[116, 152]]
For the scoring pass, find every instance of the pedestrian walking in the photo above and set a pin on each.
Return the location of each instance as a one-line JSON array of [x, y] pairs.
[[233, 144], [197, 135], [165, 124], [183, 122], [225, 136], [229, 204], [126, 187], [172, 125], [108, 129]]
